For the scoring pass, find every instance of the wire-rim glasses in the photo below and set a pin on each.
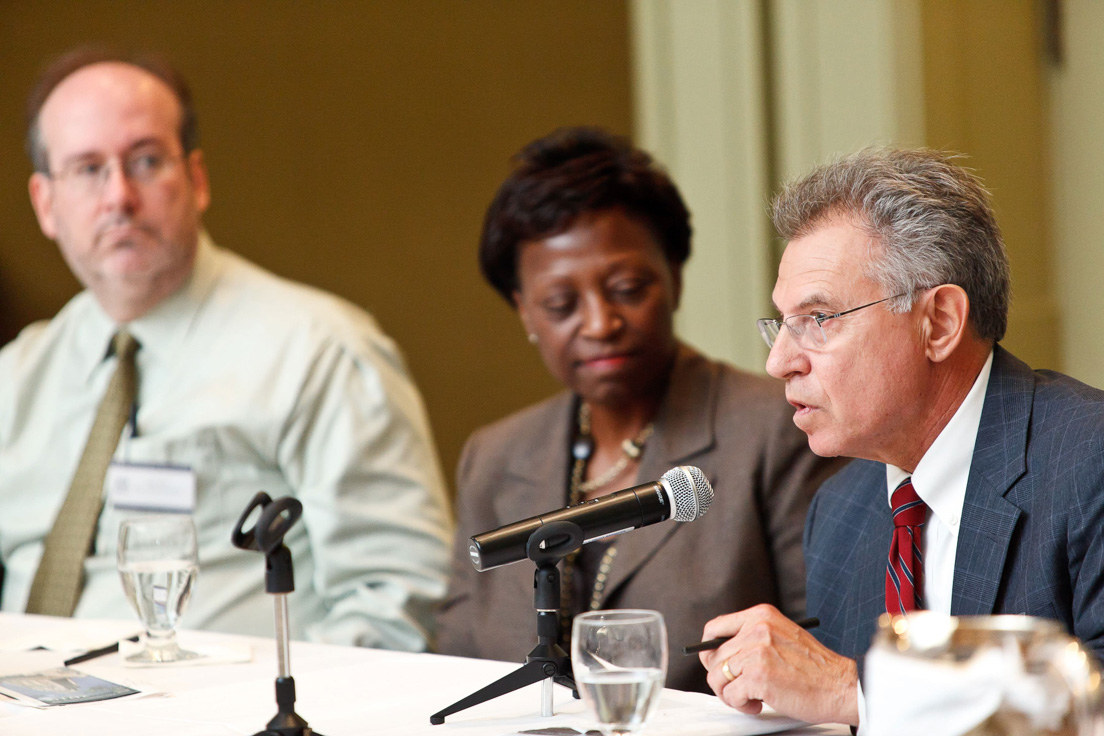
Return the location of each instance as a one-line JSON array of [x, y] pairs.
[[143, 167], [807, 329]]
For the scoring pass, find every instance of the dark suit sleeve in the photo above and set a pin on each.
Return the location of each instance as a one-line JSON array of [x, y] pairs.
[[455, 618], [1086, 558], [791, 477]]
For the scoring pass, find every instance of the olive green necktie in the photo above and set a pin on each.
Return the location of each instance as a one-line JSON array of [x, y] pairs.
[[60, 578]]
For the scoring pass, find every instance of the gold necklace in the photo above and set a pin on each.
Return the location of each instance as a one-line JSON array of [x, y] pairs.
[[581, 451], [630, 450]]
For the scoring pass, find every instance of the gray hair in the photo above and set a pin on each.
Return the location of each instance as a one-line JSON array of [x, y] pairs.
[[932, 217]]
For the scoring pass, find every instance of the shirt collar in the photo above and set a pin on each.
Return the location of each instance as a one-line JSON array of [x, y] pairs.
[[161, 330], [940, 476], [94, 338]]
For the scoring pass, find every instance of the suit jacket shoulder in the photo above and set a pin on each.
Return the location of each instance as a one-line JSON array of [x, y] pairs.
[[1031, 539]]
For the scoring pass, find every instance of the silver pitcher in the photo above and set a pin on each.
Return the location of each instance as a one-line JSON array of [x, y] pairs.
[[981, 675]]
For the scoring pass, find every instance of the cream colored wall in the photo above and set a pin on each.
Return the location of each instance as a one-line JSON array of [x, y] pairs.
[[985, 96], [700, 109], [1076, 118], [847, 74]]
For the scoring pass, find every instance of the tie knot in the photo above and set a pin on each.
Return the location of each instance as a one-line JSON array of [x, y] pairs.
[[125, 345], [908, 509]]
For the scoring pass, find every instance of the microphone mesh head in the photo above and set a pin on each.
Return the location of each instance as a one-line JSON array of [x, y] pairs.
[[689, 491]]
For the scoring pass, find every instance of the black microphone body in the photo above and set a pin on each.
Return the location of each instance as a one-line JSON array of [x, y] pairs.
[[622, 511]]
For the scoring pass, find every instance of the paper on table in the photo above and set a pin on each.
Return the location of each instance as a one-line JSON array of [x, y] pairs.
[[60, 686], [45, 670], [681, 713]]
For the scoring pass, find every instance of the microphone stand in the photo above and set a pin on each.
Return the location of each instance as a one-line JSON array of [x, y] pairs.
[[267, 535], [547, 661]]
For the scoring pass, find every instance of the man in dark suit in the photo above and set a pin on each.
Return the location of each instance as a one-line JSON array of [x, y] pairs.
[[983, 479]]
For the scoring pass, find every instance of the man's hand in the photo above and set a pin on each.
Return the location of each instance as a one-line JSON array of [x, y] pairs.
[[772, 660]]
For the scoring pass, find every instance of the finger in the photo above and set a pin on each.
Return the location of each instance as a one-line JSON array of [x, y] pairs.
[[750, 707], [735, 694], [713, 658], [729, 625], [716, 681], [724, 674], [726, 626]]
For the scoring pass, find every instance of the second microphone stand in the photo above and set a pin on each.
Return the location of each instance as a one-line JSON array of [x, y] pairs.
[[547, 661], [267, 536]]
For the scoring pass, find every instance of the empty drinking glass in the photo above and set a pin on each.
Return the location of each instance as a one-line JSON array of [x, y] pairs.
[[619, 659], [158, 565]]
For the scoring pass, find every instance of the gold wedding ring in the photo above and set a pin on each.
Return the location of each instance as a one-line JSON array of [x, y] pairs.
[[727, 672]]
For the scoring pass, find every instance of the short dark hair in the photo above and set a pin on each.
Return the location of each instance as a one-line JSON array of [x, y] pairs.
[[71, 61], [933, 218], [567, 174]]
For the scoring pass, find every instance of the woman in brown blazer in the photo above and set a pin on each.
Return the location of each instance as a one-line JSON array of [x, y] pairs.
[[586, 239]]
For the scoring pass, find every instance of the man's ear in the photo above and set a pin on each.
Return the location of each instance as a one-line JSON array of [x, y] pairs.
[[201, 185], [945, 320], [41, 190]]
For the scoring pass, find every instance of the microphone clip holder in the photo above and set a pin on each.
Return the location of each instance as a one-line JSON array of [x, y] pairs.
[[547, 661], [267, 536]]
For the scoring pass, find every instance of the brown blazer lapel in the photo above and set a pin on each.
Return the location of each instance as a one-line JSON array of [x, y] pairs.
[[684, 430], [535, 480]]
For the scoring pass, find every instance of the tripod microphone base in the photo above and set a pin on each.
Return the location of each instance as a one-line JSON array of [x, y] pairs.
[[547, 545], [527, 674], [287, 722]]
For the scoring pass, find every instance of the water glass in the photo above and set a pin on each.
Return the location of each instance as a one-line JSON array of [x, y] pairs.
[[158, 565], [619, 659]]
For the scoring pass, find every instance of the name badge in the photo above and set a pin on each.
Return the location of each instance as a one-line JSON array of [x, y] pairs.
[[161, 488]]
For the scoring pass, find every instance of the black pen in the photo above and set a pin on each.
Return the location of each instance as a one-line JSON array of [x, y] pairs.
[[93, 653], [806, 623]]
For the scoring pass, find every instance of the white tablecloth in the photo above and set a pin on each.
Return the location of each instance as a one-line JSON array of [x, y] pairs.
[[340, 691]]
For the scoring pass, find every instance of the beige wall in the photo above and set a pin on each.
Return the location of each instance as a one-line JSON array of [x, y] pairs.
[[1076, 119], [985, 96], [353, 146], [700, 86]]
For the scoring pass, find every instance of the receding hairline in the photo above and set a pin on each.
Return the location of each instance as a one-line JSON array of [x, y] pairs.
[[59, 73], [99, 67], [838, 213]]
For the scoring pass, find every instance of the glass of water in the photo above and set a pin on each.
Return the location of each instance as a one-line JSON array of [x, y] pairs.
[[619, 659], [158, 564]]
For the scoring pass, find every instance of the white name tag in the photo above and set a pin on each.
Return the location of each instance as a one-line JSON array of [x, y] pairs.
[[161, 488]]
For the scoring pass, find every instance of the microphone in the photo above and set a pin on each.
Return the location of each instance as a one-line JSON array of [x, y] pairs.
[[683, 494]]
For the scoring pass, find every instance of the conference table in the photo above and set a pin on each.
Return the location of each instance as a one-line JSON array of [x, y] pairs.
[[340, 690]]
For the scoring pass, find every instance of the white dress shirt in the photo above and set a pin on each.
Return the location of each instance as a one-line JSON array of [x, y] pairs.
[[940, 482], [255, 383]]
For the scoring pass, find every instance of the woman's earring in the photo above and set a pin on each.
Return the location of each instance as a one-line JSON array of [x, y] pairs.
[[532, 338]]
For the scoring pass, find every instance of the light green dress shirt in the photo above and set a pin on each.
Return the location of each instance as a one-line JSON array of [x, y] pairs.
[[255, 383]]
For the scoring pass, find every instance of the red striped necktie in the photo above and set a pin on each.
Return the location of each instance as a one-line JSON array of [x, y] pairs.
[[905, 566]]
